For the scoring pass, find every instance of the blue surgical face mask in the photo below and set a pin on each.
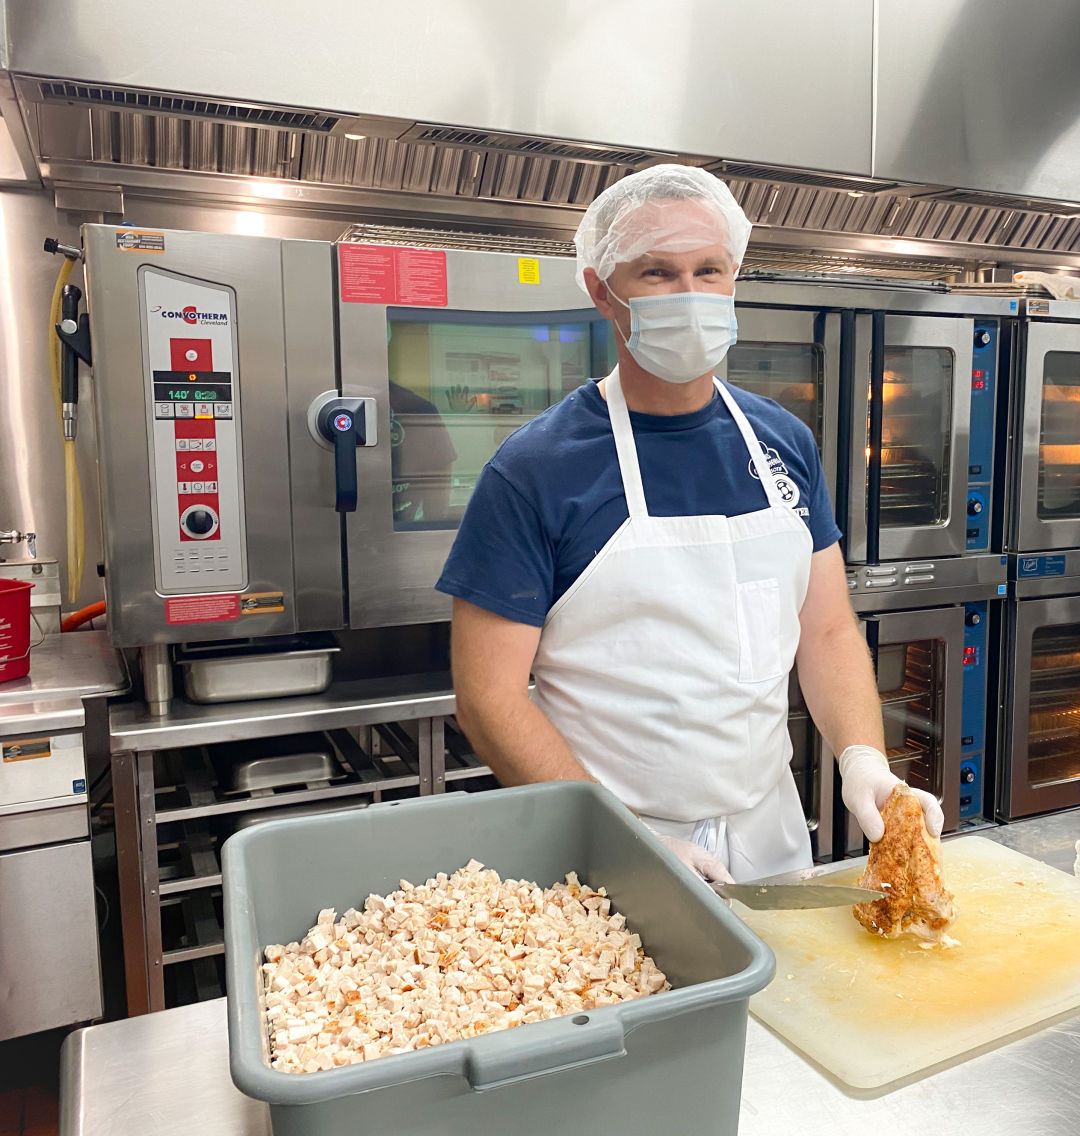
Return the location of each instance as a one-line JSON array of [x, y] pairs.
[[681, 336]]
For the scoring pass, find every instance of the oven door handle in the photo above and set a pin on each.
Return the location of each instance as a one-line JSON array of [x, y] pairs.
[[344, 425]]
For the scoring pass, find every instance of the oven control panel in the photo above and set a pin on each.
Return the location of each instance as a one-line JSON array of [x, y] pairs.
[[984, 360], [193, 415], [973, 709]]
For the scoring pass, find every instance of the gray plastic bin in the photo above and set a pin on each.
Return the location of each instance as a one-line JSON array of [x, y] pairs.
[[667, 1064]]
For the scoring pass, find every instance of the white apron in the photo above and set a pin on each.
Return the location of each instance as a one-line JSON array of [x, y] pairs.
[[665, 665]]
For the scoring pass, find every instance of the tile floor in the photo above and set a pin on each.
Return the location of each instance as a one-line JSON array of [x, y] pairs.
[[30, 1084]]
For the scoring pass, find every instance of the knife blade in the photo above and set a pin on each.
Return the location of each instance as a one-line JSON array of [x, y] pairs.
[[762, 896]]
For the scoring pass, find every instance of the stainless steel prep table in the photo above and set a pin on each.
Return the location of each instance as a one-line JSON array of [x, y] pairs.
[[168, 1073], [76, 664]]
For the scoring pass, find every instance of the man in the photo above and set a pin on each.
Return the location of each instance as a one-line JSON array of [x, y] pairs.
[[658, 549]]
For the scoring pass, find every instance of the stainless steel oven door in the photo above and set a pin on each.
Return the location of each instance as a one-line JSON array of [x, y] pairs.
[[919, 662], [1046, 504], [926, 409], [792, 357], [1043, 709]]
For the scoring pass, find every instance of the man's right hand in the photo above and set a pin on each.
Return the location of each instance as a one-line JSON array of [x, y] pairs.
[[709, 867]]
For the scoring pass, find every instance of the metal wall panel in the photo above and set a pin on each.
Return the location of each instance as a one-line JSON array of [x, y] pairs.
[[981, 94], [778, 81], [32, 493]]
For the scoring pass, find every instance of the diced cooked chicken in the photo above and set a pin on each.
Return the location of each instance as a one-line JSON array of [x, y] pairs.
[[906, 864], [457, 956]]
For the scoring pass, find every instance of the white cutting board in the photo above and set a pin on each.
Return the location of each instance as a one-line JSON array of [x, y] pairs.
[[873, 1010]]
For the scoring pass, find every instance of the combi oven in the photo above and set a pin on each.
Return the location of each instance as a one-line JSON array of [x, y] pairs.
[[289, 430]]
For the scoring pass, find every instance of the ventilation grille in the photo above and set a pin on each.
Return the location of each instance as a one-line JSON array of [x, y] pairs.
[[767, 263], [526, 145], [149, 101], [997, 201], [746, 171], [454, 239]]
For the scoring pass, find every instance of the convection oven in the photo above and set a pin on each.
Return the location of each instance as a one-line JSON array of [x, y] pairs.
[[900, 385], [936, 683], [1041, 684], [1045, 483]]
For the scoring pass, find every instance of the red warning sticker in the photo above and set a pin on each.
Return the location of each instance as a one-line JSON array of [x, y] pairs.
[[202, 609], [381, 274]]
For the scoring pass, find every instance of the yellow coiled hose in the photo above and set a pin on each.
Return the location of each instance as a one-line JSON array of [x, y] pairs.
[[76, 521]]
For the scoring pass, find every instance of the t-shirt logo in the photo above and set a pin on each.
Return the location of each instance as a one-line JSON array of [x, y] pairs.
[[785, 485], [776, 462], [788, 490]]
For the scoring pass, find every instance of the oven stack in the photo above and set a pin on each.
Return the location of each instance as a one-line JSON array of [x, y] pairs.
[[1041, 658]]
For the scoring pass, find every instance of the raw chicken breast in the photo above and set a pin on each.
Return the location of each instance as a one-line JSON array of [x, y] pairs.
[[906, 864]]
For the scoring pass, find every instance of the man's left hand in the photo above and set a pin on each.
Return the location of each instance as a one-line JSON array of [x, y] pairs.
[[868, 781]]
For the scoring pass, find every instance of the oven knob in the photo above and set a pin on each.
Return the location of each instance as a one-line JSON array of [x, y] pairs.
[[972, 619], [982, 337], [975, 506], [199, 522], [967, 775]]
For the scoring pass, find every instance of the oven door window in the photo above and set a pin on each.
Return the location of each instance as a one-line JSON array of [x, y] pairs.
[[916, 436], [461, 383], [792, 374], [911, 684], [1054, 710], [1059, 437]]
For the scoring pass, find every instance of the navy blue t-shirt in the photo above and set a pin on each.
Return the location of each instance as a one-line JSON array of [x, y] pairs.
[[551, 497]]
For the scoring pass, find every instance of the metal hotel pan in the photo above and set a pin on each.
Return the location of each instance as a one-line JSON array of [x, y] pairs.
[[224, 674]]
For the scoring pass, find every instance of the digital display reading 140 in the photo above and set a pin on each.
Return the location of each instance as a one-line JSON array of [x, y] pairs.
[[192, 386]]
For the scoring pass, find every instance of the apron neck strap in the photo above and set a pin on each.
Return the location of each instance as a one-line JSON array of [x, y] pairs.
[[753, 446], [626, 450], [633, 489]]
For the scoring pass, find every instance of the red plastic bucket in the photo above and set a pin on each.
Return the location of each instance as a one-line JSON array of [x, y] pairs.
[[14, 629]]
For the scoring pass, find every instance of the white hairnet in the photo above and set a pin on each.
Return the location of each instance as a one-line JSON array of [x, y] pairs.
[[647, 212]]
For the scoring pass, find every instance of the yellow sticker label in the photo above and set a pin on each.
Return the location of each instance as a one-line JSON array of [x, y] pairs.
[[528, 270], [261, 603], [27, 749]]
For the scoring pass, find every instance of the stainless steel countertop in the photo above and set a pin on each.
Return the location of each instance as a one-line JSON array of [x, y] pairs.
[[76, 664], [168, 1073], [356, 703]]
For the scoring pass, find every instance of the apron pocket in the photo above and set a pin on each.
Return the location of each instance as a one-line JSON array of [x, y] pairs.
[[758, 614]]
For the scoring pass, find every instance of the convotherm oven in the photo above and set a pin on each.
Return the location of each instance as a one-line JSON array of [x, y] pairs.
[[290, 430]]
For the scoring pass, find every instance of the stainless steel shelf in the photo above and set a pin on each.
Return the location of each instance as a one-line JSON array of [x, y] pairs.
[[190, 954], [293, 797], [360, 703], [189, 883]]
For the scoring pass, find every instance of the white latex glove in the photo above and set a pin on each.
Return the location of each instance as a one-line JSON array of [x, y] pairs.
[[695, 857], [868, 782]]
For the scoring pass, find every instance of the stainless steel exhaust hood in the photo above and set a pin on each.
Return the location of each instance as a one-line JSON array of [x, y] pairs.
[[96, 136]]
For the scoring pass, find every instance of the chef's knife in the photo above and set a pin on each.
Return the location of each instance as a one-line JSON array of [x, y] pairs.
[[797, 890]]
